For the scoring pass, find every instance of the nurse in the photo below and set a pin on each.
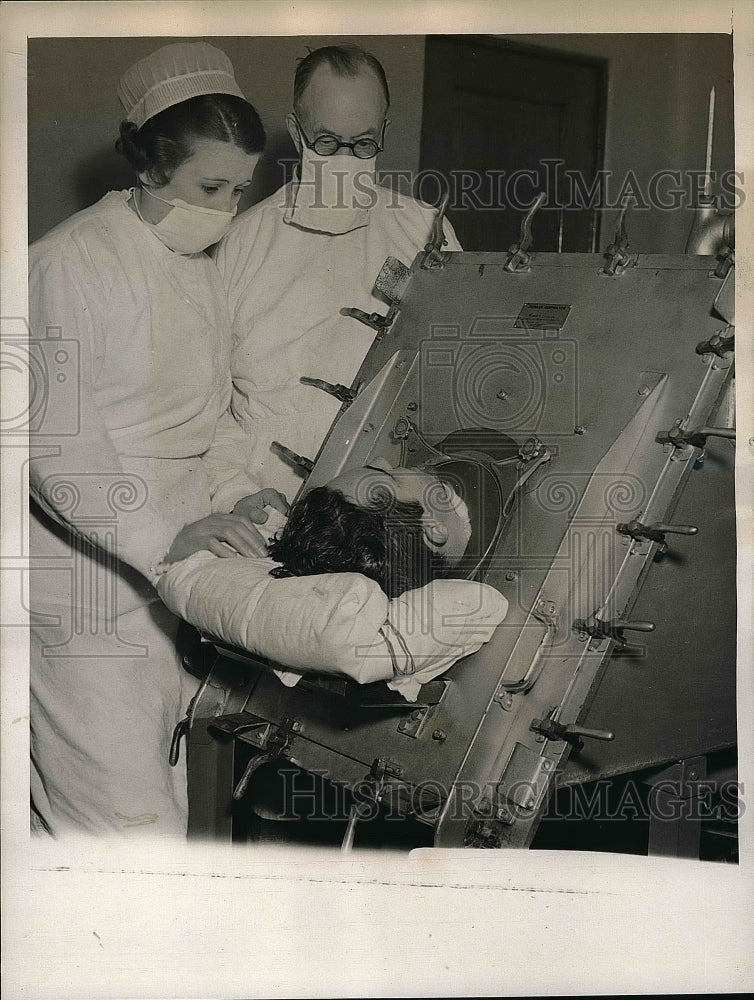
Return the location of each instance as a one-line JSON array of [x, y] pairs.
[[133, 317]]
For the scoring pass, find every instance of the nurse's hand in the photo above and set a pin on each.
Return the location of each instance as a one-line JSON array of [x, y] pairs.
[[252, 505], [223, 534]]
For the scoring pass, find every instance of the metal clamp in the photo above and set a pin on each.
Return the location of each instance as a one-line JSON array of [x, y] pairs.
[[655, 532], [274, 741], [434, 259], [717, 344], [278, 745], [569, 732], [291, 457], [519, 253], [599, 630], [341, 392], [175, 744], [374, 320], [726, 262], [374, 783], [618, 257], [685, 441]]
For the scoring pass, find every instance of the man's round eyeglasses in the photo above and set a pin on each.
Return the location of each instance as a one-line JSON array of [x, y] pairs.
[[328, 145]]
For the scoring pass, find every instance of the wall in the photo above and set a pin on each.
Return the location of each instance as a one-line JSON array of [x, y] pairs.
[[656, 113], [74, 111], [657, 104]]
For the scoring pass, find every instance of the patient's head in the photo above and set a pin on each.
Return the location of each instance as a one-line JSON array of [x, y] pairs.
[[400, 527]]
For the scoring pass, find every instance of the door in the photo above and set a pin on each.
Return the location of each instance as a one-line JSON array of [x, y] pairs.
[[502, 122]]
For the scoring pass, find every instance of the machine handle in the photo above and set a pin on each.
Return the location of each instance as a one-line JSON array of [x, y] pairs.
[[175, 744], [251, 768], [675, 529], [697, 436], [619, 625], [593, 734], [374, 320], [303, 463], [341, 392], [717, 344], [570, 733]]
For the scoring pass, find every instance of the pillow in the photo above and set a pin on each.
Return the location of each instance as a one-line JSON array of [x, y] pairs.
[[335, 623]]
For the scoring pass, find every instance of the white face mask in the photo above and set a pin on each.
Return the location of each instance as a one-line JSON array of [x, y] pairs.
[[333, 194], [188, 228]]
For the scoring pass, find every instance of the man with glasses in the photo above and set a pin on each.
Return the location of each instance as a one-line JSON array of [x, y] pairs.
[[293, 262]]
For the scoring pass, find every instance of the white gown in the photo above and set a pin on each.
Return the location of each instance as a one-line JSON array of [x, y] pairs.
[[136, 342], [286, 286]]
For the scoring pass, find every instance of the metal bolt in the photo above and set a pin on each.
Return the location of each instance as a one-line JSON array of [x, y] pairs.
[[579, 429], [501, 394], [439, 735], [296, 727], [368, 426], [511, 575], [644, 390], [417, 715], [412, 406]]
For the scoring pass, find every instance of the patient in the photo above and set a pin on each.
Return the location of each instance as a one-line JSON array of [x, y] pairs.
[[401, 527]]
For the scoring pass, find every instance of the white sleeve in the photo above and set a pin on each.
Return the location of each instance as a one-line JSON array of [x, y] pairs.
[[76, 471], [225, 463]]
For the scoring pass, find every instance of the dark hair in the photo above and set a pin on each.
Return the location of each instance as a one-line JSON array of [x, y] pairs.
[[166, 141], [325, 533], [343, 60]]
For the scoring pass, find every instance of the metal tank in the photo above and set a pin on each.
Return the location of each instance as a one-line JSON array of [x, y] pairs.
[[618, 650]]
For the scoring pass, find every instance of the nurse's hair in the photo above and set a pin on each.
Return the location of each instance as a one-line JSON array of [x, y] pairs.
[[166, 141], [325, 533], [342, 60]]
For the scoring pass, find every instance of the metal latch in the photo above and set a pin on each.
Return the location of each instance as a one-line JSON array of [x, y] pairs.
[[684, 441], [374, 320], [519, 252], [434, 259], [276, 741], [599, 630], [568, 732], [717, 344], [370, 793], [341, 392], [654, 532], [618, 257]]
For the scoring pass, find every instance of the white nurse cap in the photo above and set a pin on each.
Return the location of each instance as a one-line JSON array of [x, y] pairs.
[[173, 74]]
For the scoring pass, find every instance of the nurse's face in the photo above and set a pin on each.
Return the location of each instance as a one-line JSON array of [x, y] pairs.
[[445, 521], [215, 176]]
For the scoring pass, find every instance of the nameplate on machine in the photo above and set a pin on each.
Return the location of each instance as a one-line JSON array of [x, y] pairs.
[[542, 316]]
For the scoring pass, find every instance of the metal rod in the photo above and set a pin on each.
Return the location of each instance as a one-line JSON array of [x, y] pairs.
[[710, 130]]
